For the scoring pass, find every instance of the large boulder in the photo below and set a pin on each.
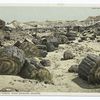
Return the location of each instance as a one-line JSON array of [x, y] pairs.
[[11, 60]]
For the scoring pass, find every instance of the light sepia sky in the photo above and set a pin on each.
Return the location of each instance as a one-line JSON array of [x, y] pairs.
[[46, 13]]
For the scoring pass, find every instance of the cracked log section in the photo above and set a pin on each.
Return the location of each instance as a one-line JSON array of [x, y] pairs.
[[11, 60], [89, 69]]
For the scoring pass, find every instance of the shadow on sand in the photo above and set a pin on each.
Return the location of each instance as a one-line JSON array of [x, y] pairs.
[[84, 84]]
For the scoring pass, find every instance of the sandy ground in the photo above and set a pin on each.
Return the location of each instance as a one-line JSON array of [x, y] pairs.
[[63, 80]]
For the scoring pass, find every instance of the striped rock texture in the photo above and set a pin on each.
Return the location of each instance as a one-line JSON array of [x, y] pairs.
[[89, 69], [11, 60], [30, 49]]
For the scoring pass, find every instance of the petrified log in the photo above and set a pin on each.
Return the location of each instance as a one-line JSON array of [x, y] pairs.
[[28, 71], [44, 75], [29, 48], [31, 72], [11, 60], [89, 69]]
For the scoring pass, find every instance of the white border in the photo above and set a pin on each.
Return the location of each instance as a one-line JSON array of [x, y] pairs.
[[57, 3], [50, 94], [51, 4], [52, 1]]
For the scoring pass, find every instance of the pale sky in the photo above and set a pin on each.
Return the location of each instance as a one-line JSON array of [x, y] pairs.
[[46, 13]]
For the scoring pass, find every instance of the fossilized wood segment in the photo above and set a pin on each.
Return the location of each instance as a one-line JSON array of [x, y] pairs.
[[28, 71], [30, 49], [89, 69], [44, 75], [11, 60], [97, 75], [31, 72]]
